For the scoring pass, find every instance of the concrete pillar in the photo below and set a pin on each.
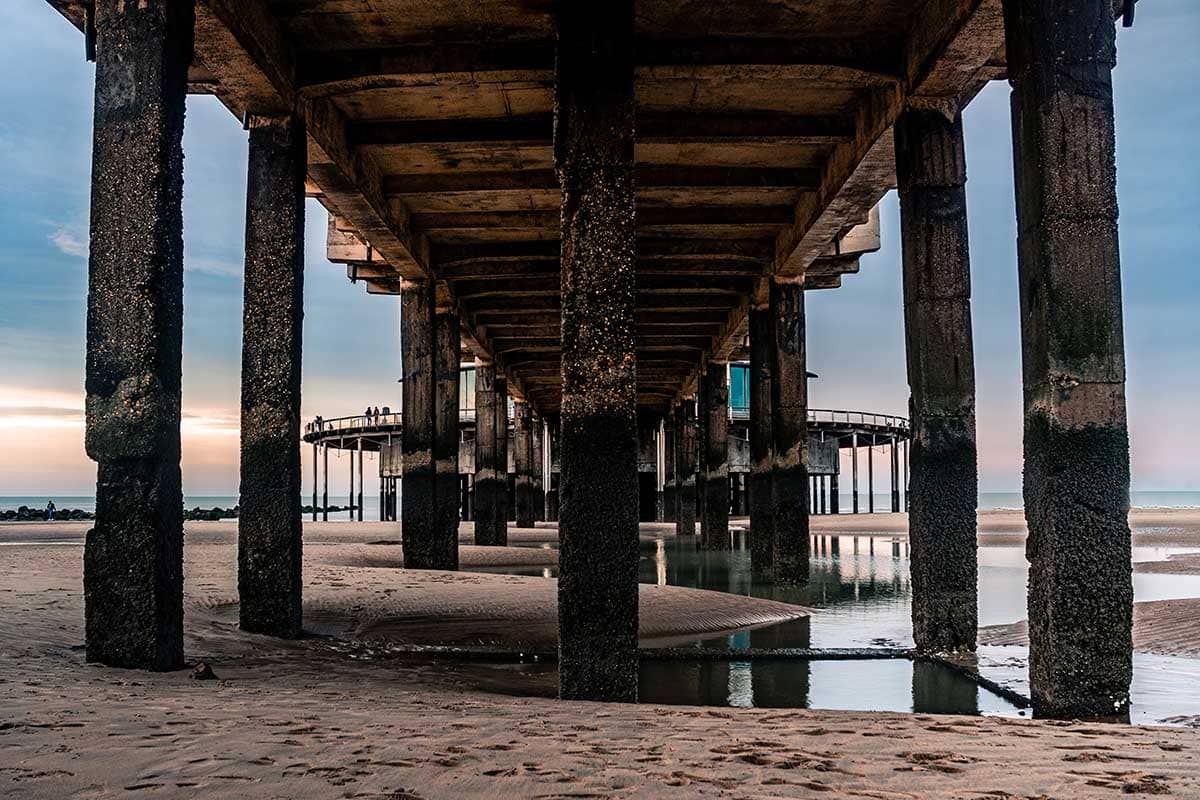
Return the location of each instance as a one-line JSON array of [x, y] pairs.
[[552, 439], [598, 529], [1060, 60], [894, 454], [932, 175], [762, 504], [714, 522], [871, 476], [835, 501], [789, 430], [269, 523], [854, 472], [491, 526], [133, 557], [325, 483], [538, 463], [523, 463], [418, 527], [502, 445], [447, 483], [685, 469], [670, 442]]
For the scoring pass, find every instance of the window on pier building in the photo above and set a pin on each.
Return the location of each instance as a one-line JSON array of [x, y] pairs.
[[739, 386], [466, 388]]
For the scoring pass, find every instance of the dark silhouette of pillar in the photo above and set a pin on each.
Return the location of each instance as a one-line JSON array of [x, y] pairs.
[[835, 501], [894, 455], [539, 484], [133, 556], [789, 430], [854, 472], [1060, 60], [685, 469], [491, 525], [325, 483], [714, 522], [670, 502], [523, 463], [598, 529], [418, 514], [932, 174], [269, 521]]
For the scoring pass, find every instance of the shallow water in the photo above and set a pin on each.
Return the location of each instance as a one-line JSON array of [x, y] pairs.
[[861, 590]]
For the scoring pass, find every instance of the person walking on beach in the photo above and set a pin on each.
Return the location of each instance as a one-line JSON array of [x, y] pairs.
[[50, 511]]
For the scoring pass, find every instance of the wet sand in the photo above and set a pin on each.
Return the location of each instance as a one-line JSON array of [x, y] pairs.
[[1163, 627], [304, 718]]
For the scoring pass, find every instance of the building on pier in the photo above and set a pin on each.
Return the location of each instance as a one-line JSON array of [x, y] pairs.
[[600, 202]]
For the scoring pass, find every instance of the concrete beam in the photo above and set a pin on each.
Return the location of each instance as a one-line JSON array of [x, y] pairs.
[[1060, 57], [133, 556], [931, 169], [598, 527], [789, 431], [270, 539]]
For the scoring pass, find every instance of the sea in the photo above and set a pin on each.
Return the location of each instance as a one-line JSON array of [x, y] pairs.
[[987, 500]]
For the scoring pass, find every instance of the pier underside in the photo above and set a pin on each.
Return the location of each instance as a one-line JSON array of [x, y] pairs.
[[589, 200]]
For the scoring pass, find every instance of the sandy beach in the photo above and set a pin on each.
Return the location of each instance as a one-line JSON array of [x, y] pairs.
[[320, 717]]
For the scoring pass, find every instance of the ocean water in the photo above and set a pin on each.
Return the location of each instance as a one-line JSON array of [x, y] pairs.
[[987, 500]]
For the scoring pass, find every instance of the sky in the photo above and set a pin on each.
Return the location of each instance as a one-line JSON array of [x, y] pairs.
[[351, 353]]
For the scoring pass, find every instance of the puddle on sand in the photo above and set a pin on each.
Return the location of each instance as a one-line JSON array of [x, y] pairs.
[[861, 589]]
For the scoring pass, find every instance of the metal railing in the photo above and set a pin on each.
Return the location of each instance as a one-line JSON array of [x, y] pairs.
[[827, 416], [816, 416]]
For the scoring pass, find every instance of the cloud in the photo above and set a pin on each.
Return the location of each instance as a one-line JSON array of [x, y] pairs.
[[67, 241]]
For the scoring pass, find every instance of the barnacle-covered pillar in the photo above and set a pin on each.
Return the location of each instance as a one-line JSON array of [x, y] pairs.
[[447, 483], [417, 514], [670, 500], [685, 469], [789, 429], [932, 175], [1061, 54], [598, 515], [269, 524], [491, 487], [133, 557], [714, 521], [523, 463], [762, 484]]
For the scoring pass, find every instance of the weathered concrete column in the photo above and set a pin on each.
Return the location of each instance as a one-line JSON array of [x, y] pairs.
[[491, 527], [418, 526], [1060, 60], [762, 504], [523, 463], [714, 523], [685, 469], [133, 557], [598, 529], [932, 174], [670, 495], [502, 446], [269, 524], [789, 430], [538, 485], [448, 484]]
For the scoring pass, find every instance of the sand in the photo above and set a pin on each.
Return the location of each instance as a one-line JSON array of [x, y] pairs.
[[1164, 627], [316, 718]]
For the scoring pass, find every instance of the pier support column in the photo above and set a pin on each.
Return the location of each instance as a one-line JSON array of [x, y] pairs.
[[762, 483], [789, 430], [714, 523], [269, 523], [854, 472], [448, 483], [1060, 60], [418, 526], [491, 525], [523, 463], [685, 469], [133, 556], [670, 490], [538, 429], [932, 174], [598, 530]]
